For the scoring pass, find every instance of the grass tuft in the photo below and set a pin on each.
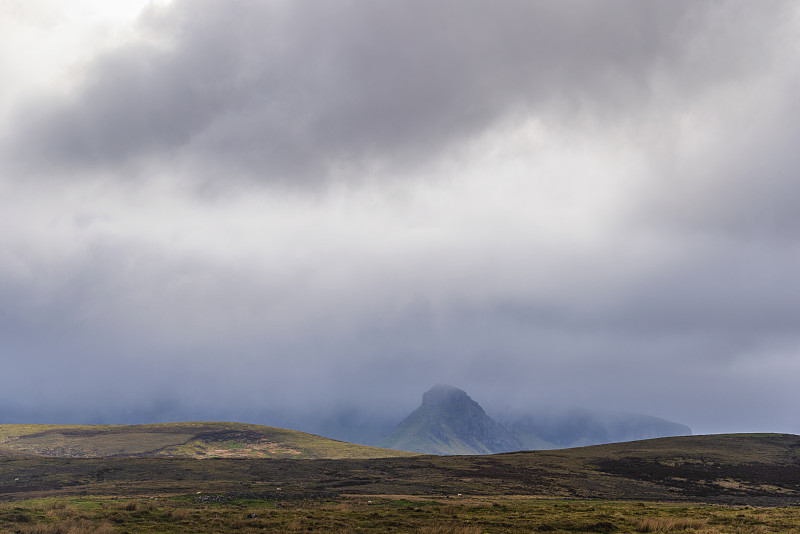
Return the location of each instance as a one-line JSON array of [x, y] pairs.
[[180, 514], [131, 506], [450, 529], [72, 527], [668, 524]]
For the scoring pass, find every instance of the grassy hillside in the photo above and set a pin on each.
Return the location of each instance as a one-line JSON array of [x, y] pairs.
[[736, 469], [711, 484], [184, 440]]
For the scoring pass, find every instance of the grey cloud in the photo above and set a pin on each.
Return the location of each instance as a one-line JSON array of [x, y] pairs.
[[130, 325], [292, 91], [147, 332], [735, 177], [744, 186]]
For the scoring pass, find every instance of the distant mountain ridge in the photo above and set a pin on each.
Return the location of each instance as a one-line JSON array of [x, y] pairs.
[[450, 422], [580, 427], [447, 422]]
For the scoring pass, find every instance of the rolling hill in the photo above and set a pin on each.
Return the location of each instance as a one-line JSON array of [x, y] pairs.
[[178, 440], [749, 469]]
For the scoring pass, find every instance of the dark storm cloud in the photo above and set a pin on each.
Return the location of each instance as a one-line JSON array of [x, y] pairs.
[[293, 91], [638, 253]]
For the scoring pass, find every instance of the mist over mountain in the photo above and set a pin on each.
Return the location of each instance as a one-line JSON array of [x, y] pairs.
[[447, 422], [450, 422], [276, 212], [559, 429]]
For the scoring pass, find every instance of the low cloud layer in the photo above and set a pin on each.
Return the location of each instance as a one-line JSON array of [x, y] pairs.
[[247, 209]]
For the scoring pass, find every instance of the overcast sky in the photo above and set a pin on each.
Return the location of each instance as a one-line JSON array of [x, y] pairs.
[[223, 209]]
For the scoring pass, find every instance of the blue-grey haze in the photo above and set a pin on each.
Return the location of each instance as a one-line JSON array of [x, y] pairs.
[[296, 213]]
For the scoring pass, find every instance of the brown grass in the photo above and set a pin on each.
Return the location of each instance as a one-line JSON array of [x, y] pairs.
[[69, 527], [68, 512], [662, 524], [295, 524], [180, 514], [450, 529]]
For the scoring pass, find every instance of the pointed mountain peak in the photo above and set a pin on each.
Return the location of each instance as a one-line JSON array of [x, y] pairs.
[[448, 397], [450, 422]]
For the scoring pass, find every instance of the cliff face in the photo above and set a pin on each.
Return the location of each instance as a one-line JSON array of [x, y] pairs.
[[450, 422]]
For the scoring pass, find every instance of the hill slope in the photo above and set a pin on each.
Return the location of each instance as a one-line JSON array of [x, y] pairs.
[[752, 469], [182, 440], [450, 422]]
